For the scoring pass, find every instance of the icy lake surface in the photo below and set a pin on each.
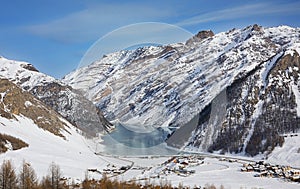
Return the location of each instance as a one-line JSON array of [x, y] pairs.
[[135, 141]]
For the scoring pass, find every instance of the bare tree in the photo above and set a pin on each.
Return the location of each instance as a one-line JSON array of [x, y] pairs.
[[8, 178], [55, 175], [27, 177], [46, 183]]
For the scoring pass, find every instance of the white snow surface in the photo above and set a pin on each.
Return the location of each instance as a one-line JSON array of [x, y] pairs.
[[289, 153], [269, 65], [27, 104], [297, 97], [257, 112], [15, 71], [74, 154], [212, 171], [294, 47]]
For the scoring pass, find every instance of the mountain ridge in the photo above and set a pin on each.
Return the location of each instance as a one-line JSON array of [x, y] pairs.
[[69, 103], [167, 86], [16, 102], [32, 131]]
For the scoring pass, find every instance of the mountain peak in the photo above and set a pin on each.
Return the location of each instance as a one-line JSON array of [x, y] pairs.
[[200, 36], [256, 27], [205, 34], [29, 67]]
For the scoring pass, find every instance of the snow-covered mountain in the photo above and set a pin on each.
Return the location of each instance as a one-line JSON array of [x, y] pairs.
[[238, 89], [32, 131], [70, 103], [16, 102]]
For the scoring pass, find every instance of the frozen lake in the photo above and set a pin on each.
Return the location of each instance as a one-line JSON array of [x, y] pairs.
[[136, 141]]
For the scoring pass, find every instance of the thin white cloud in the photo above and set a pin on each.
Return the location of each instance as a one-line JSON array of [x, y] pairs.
[[242, 12], [95, 21]]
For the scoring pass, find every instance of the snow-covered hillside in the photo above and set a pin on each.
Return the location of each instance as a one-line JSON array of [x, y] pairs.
[[71, 154], [289, 153], [44, 135], [170, 85], [71, 104], [23, 74]]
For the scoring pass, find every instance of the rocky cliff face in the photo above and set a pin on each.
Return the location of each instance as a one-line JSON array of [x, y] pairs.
[[240, 85], [257, 113], [73, 106], [68, 102], [15, 101]]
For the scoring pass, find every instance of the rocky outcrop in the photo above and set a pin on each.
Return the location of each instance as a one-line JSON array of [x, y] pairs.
[[15, 101], [8, 142], [73, 106], [205, 34], [29, 67], [200, 36]]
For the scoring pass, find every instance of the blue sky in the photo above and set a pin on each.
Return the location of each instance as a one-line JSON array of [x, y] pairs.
[[54, 35]]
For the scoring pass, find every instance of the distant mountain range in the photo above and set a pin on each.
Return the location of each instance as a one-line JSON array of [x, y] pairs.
[[233, 92]]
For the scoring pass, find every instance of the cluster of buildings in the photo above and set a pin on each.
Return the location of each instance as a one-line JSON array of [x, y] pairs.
[[112, 170], [181, 165], [275, 171]]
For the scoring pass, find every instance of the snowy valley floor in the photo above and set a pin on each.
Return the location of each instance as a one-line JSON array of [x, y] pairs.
[[211, 171], [75, 155]]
